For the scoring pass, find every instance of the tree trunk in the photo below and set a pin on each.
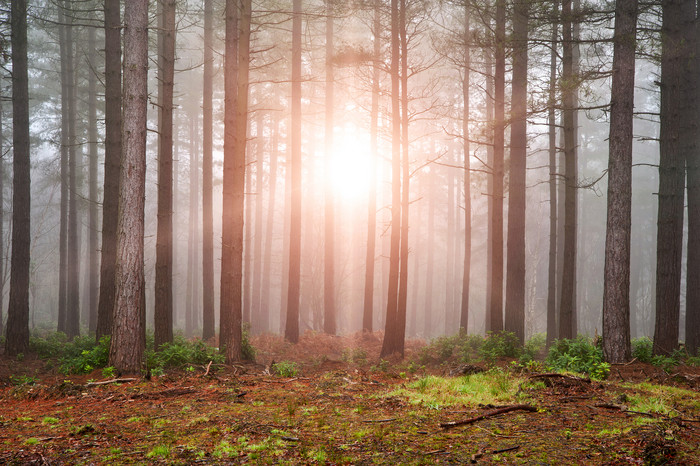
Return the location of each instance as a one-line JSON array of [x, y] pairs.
[[17, 332], [110, 201], [163, 311], [390, 345], [329, 324], [3, 256], [257, 309], [128, 343], [368, 308], [430, 265], [208, 311], [93, 215], [515, 280], [569, 86], [552, 134], [616, 294], [677, 116], [291, 332], [466, 271], [270, 224], [66, 53], [495, 321]]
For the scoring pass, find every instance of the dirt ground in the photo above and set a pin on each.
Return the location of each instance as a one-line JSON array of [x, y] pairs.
[[341, 408]]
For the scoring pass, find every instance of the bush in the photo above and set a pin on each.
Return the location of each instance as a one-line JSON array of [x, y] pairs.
[[578, 355], [534, 348], [500, 345], [285, 369], [181, 353], [82, 355], [642, 349]]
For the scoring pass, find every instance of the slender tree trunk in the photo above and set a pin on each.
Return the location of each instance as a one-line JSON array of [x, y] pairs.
[[569, 86], [430, 266], [258, 244], [449, 280], [208, 311], [164, 243], [17, 332], [128, 342], [110, 201], [3, 255], [93, 215], [390, 344], [247, 248], [66, 53], [368, 309], [552, 134], [495, 322], [490, 105], [515, 280], [616, 291], [677, 116], [269, 228], [329, 317], [291, 332], [466, 271]]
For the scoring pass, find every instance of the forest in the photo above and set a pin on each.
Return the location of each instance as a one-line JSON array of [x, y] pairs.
[[239, 188]]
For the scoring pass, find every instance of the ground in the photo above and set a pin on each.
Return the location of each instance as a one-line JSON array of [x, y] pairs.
[[346, 406]]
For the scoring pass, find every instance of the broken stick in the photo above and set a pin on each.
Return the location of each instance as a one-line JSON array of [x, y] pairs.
[[496, 412]]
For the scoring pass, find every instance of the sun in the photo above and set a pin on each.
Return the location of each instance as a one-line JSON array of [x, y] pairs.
[[351, 162]]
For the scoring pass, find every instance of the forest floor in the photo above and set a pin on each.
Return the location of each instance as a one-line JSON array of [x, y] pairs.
[[345, 406]]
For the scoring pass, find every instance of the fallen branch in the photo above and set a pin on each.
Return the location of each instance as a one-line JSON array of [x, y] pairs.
[[208, 367], [392, 419], [555, 375], [105, 382], [496, 412]]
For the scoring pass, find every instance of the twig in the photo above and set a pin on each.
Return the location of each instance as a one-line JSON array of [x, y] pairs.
[[503, 450], [105, 382], [507, 409], [553, 375], [379, 420], [207, 371]]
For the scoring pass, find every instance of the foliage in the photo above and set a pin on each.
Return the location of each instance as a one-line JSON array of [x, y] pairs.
[[90, 356], [642, 349], [578, 355], [285, 369], [500, 345], [182, 353], [534, 348]]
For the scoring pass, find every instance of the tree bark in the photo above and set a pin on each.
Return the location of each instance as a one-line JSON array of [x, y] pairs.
[[17, 332], [257, 309], [93, 214], [163, 311], [63, 225], [329, 318], [269, 228], [110, 201], [515, 279], [291, 332], [616, 291], [466, 270], [128, 342], [552, 272]]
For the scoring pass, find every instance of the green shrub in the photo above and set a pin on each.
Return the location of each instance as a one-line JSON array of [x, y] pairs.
[[534, 348], [82, 355], [500, 345], [285, 369], [578, 355], [181, 353], [642, 349]]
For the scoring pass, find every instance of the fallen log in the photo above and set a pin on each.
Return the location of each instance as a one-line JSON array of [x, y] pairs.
[[496, 412]]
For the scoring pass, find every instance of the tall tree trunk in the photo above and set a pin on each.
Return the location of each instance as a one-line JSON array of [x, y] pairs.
[[490, 105], [692, 316], [257, 309], [247, 248], [128, 342], [569, 87], [329, 323], [515, 280], [495, 321], [291, 332], [390, 344], [552, 134], [93, 215], [677, 116], [163, 311], [3, 256], [616, 291], [73, 247], [66, 53], [17, 332], [208, 311], [466, 270], [368, 307], [430, 266], [110, 200], [449, 280], [234, 175]]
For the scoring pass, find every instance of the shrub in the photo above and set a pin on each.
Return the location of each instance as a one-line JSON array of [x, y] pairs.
[[82, 355], [285, 369], [534, 348], [500, 345], [642, 349], [578, 355], [181, 353]]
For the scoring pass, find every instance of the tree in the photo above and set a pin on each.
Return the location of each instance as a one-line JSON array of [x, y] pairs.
[[66, 79], [464, 308], [93, 216], [676, 134], [291, 332], [329, 206], [237, 58], [128, 343], [552, 150], [515, 272], [494, 321], [110, 201], [163, 312], [17, 332], [208, 312], [616, 300]]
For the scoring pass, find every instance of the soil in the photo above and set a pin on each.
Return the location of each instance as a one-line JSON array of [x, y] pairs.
[[338, 409]]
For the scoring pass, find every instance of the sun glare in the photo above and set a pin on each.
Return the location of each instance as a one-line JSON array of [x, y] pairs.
[[352, 162]]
